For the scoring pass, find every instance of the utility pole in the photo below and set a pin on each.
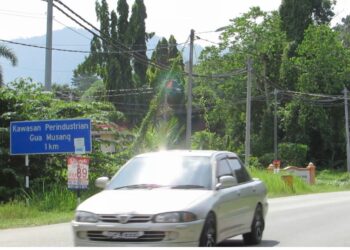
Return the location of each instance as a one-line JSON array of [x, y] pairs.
[[189, 94], [248, 112], [265, 82], [347, 128], [275, 127], [48, 57]]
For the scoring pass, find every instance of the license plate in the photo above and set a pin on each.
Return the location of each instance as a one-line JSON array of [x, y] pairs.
[[123, 235]]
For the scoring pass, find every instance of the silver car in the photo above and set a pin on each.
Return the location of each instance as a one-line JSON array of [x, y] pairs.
[[174, 198]]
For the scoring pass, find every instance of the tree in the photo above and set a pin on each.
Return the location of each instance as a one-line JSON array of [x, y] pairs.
[[124, 38], [138, 36], [113, 79], [116, 55], [255, 34], [9, 55], [174, 53], [306, 120], [344, 31], [297, 15], [83, 81]]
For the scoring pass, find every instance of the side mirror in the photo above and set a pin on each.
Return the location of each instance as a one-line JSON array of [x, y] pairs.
[[226, 181], [101, 182]]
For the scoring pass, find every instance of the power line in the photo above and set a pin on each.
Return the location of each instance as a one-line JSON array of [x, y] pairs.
[[22, 14], [67, 50], [206, 40], [44, 47]]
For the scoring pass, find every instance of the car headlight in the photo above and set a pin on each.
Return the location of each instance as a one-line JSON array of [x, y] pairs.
[[81, 216], [174, 217]]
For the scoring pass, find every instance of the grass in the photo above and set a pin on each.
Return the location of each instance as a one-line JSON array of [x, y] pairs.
[[18, 214], [57, 204], [326, 181]]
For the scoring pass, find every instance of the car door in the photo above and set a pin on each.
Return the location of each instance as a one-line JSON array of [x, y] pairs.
[[247, 191], [229, 205]]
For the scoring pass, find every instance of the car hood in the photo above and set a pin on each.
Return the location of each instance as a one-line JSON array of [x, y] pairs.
[[144, 201]]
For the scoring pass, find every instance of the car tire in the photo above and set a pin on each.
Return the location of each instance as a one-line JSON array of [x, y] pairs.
[[257, 228], [208, 235]]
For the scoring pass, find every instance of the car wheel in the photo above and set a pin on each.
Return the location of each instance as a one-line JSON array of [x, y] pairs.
[[208, 236], [255, 236]]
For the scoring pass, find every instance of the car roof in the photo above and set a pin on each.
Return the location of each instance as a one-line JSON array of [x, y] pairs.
[[207, 153]]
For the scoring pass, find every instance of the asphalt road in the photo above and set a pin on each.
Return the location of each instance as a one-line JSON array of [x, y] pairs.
[[320, 220]]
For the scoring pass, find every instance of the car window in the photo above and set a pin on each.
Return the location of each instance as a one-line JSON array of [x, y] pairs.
[[239, 171], [223, 168], [165, 170]]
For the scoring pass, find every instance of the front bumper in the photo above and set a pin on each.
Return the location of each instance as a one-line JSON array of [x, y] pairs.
[[154, 234]]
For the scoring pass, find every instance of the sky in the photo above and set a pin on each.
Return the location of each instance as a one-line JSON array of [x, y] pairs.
[[27, 18]]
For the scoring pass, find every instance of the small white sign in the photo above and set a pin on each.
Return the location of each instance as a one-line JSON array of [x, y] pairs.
[[302, 173], [79, 145]]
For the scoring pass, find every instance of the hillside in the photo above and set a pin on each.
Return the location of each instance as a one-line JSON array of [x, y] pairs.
[[31, 61]]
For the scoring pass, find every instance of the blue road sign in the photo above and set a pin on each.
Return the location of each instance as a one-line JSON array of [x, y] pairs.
[[50, 137]]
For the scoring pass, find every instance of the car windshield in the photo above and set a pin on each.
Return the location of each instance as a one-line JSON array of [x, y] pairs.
[[178, 172]]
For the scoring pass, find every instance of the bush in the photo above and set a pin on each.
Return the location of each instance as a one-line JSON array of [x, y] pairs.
[[266, 159], [8, 184], [293, 154], [254, 163]]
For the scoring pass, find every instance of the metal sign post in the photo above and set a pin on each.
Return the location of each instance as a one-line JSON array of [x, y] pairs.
[[27, 170]]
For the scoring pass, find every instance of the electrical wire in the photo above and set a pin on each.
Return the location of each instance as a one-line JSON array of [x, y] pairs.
[[44, 47], [206, 40]]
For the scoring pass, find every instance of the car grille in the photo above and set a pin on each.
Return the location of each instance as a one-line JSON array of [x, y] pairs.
[[148, 236], [131, 219]]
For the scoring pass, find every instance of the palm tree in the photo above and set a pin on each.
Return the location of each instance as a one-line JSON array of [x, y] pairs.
[[8, 54]]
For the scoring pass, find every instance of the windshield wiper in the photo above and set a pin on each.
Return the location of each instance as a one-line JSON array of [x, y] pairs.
[[140, 186], [187, 186]]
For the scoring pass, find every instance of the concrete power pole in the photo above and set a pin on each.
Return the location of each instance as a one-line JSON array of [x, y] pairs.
[[248, 112], [189, 95], [275, 127], [48, 57], [347, 128]]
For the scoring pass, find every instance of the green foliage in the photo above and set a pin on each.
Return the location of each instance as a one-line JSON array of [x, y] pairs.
[[9, 185], [164, 135], [8, 54], [65, 92], [293, 154], [344, 31], [277, 186], [96, 92], [25, 100], [125, 38], [337, 179], [298, 15], [316, 70], [255, 34], [266, 159], [206, 140], [138, 35], [83, 81]]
